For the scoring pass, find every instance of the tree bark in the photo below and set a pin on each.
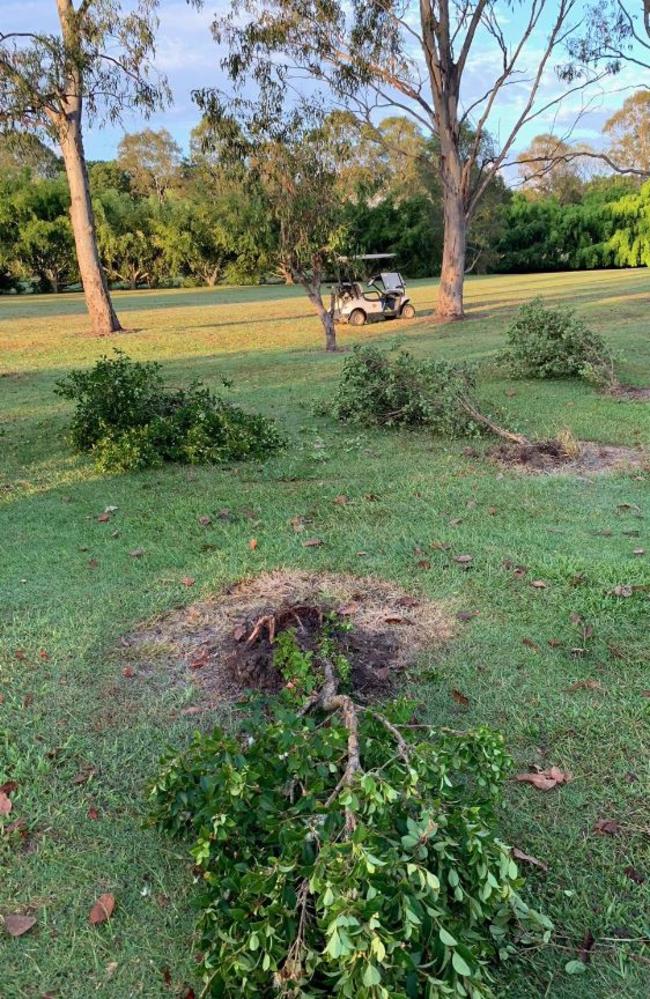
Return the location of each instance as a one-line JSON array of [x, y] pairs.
[[100, 309], [452, 274], [312, 287]]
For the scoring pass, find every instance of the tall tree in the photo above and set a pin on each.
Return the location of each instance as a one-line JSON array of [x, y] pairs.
[[97, 65], [628, 130], [417, 56], [550, 167], [152, 161]]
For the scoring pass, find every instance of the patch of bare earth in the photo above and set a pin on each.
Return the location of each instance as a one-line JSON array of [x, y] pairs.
[[224, 646], [551, 457], [633, 393]]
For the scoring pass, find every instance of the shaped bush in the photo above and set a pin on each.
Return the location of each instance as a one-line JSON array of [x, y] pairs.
[[344, 852], [546, 342], [127, 419]]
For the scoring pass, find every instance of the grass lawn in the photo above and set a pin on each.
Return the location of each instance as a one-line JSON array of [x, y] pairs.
[[78, 736]]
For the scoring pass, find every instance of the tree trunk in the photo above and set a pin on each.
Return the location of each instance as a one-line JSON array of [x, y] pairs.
[[312, 287], [93, 278], [452, 274]]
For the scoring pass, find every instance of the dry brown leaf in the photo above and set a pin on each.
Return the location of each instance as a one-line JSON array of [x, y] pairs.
[[205, 521], [298, 524], [20, 655], [554, 642], [313, 543], [136, 552], [128, 672], [538, 584], [634, 875], [545, 780], [43, 654], [103, 518], [341, 500], [424, 564], [92, 813], [466, 615], [530, 644], [188, 581], [84, 775], [460, 698], [102, 909], [252, 544], [607, 827], [527, 859], [5, 803], [463, 559], [584, 685], [16, 924], [622, 591]]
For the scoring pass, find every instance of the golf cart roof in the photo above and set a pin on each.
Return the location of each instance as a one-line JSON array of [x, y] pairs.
[[370, 256]]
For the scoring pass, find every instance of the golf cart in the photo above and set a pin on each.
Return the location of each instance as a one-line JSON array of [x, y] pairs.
[[385, 297]]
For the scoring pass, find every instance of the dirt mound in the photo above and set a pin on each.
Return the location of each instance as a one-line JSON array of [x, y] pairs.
[[631, 392], [224, 646], [551, 457]]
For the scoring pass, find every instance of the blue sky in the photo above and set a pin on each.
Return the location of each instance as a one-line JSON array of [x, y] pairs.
[[188, 56]]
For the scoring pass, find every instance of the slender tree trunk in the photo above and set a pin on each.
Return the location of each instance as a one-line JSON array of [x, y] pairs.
[[100, 309], [452, 274], [325, 316]]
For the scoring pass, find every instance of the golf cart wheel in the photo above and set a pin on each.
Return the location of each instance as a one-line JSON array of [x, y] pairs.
[[357, 318], [408, 312]]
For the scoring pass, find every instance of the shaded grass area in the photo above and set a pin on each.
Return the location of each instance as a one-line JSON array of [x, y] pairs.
[[79, 736]]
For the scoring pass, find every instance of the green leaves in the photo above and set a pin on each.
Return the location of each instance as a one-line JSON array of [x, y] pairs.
[[289, 890]]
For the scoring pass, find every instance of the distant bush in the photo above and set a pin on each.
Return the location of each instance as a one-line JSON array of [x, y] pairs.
[[546, 342], [127, 419], [378, 389]]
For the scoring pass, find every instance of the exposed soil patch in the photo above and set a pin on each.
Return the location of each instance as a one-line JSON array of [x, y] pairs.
[[631, 392], [551, 457], [224, 645]]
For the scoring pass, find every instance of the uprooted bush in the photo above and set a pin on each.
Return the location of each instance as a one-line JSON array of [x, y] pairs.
[[547, 342], [344, 850], [127, 419], [377, 389]]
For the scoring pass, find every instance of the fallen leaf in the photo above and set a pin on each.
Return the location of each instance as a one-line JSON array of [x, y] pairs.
[[424, 564], [28, 700], [205, 521], [20, 655], [455, 521], [5, 803], [544, 780], [224, 514], [361, 554], [9, 787], [586, 946], [188, 581], [313, 543], [136, 552], [645, 693], [527, 859], [538, 584], [92, 563], [554, 642], [459, 697], [298, 524], [466, 615], [606, 827], [530, 644], [194, 710], [396, 619], [104, 518], [639, 551], [200, 660], [463, 559], [584, 685], [102, 909], [634, 875], [110, 509], [629, 506], [252, 544], [341, 500], [441, 546], [492, 510], [622, 591], [92, 813], [84, 775], [43, 654], [128, 672], [239, 632], [345, 610], [16, 925]]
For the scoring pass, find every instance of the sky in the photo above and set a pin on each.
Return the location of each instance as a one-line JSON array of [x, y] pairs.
[[187, 55]]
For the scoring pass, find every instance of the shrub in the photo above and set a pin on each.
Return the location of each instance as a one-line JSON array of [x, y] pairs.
[[377, 389], [382, 880], [124, 416], [545, 342]]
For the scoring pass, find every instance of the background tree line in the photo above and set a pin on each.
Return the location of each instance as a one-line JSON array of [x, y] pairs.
[[163, 219]]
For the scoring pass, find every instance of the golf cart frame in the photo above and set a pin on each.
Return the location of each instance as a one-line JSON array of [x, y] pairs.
[[385, 297]]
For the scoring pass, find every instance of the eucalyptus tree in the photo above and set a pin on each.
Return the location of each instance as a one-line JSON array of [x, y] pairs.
[[95, 67], [446, 63]]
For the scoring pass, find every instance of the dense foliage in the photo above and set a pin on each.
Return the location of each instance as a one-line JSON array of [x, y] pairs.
[[547, 342], [127, 420], [384, 389], [393, 885]]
